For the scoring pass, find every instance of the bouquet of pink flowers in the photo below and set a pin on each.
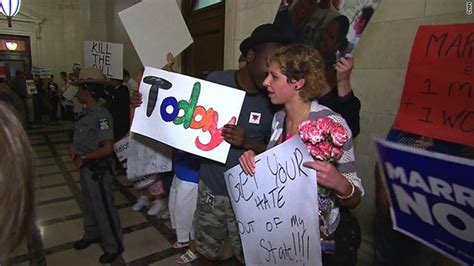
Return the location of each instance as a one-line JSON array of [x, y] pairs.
[[324, 139]]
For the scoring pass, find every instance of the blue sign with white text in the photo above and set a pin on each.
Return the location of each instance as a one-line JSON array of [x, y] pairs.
[[432, 197]]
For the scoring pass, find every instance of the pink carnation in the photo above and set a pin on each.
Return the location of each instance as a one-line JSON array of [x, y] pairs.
[[324, 124], [325, 149], [336, 152], [338, 134], [323, 138]]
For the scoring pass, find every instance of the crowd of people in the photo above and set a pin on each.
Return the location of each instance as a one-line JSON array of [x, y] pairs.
[[286, 82]]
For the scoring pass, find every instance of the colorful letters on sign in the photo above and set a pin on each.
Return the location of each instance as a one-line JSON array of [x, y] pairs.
[[187, 113]]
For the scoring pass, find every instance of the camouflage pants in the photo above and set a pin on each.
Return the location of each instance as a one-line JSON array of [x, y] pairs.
[[214, 220]]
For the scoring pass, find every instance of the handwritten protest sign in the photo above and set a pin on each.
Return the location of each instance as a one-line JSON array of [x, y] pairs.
[[432, 198], [44, 73], [70, 92], [121, 150], [31, 87], [277, 209], [187, 113], [146, 156], [438, 97], [156, 28], [105, 56]]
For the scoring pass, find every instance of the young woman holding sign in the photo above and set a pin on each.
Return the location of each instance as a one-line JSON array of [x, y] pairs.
[[295, 79]]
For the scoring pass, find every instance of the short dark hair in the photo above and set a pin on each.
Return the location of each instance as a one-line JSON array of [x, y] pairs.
[[126, 73], [366, 13], [343, 27], [63, 73]]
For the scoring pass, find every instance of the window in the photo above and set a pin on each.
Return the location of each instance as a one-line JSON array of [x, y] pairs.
[[200, 4]]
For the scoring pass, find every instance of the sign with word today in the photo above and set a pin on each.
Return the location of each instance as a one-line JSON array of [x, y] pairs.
[[432, 198], [187, 113], [277, 209], [105, 56]]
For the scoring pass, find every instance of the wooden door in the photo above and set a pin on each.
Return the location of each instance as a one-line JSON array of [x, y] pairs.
[[206, 25]]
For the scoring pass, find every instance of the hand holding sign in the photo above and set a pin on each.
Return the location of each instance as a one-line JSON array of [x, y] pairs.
[[191, 113], [276, 209]]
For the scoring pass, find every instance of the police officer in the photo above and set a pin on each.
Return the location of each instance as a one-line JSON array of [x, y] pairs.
[[92, 151]]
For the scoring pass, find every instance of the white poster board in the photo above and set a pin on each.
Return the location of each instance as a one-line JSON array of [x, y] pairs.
[[121, 149], [70, 92], [105, 56], [277, 209], [146, 156], [156, 28], [187, 113], [31, 86], [44, 73]]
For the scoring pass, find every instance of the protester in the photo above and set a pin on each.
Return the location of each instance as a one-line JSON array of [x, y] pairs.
[[392, 247], [295, 79], [242, 61], [214, 219], [91, 152], [118, 102], [44, 92], [182, 203], [128, 82], [54, 98]]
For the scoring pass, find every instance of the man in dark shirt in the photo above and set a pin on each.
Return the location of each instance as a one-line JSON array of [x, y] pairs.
[[214, 218], [119, 107]]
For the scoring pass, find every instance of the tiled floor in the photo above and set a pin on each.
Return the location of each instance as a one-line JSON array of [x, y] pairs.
[[147, 240]]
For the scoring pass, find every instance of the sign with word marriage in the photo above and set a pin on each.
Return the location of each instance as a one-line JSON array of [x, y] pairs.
[[105, 56], [438, 97], [187, 113], [432, 198], [277, 209]]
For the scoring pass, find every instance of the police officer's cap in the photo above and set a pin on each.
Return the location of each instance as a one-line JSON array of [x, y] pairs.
[[93, 80]]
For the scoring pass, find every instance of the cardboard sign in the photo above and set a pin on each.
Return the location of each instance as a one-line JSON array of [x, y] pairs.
[[432, 198], [277, 209], [35, 70], [146, 156], [156, 28], [121, 149], [44, 73], [438, 97], [187, 113], [105, 56], [306, 21], [31, 87], [70, 92]]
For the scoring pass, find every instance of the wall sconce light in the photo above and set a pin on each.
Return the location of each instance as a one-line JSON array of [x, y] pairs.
[[11, 46], [9, 9]]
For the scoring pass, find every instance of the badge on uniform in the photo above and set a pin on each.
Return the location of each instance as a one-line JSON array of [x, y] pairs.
[[104, 124], [254, 118]]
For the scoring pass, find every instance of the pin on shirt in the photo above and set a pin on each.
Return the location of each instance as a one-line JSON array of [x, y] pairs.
[[254, 118], [104, 124]]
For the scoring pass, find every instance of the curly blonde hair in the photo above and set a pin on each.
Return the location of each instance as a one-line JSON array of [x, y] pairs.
[[17, 176], [298, 61]]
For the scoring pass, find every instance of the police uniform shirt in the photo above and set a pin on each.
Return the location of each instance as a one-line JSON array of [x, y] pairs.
[[94, 127]]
